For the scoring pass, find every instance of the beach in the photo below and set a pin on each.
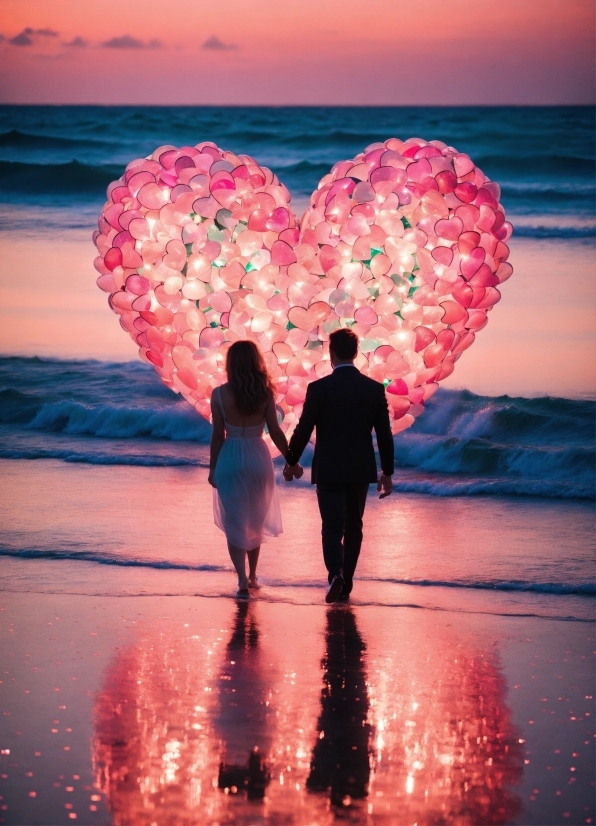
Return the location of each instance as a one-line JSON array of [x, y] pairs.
[[122, 710], [132, 673], [457, 685]]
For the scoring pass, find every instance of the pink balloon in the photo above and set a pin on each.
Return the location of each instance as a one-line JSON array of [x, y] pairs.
[[406, 243]]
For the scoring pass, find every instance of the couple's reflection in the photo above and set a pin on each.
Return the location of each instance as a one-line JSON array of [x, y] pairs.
[[244, 714], [416, 728], [340, 763]]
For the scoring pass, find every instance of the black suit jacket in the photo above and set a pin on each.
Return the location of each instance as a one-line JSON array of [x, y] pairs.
[[344, 408]]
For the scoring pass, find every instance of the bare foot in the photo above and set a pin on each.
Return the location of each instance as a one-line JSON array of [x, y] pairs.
[[254, 583]]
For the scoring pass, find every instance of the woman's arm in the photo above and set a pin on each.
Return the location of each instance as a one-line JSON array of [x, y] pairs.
[[278, 437], [306, 425], [218, 437]]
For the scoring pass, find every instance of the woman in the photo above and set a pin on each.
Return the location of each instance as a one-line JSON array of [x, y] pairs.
[[245, 502]]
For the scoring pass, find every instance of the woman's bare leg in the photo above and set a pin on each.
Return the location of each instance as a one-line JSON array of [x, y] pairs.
[[238, 557], [253, 559]]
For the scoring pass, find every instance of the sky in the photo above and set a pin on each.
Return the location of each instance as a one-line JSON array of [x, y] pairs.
[[293, 52]]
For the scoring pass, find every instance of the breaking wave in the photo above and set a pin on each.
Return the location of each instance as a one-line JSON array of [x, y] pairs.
[[463, 445]]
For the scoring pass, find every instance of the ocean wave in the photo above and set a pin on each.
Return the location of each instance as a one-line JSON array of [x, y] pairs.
[[550, 188], [115, 422], [301, 178], [469, 455], [463, 445], [552, 231], [15, 139], [539, 163], [18, 179], [548, 489], [103, 558], [475, 445], [98, 457], [514, 420], [582, 589]]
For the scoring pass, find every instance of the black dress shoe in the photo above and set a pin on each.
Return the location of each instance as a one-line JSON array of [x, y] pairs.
[[343, 597], [335, 588]]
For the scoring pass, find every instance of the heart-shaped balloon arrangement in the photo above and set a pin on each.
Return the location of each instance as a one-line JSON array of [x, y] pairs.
[[405, 244]]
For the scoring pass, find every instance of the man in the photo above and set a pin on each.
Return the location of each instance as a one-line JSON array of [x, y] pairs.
[[344, 408]]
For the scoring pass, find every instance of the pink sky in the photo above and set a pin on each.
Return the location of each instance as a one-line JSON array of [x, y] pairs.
[[308, 52]]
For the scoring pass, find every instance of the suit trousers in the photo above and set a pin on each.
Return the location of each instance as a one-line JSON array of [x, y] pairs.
[[342, 507]]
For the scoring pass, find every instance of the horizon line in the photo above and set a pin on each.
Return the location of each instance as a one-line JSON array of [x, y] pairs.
[[314, 105]]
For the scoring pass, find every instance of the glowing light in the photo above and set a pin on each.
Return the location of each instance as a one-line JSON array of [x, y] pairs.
[[170, 760], [405, 243]]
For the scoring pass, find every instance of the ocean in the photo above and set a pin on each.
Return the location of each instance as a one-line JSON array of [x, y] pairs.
[[64, 157], [513, 435]]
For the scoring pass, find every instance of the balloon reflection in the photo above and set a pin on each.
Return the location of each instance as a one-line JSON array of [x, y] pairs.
[[390, 726], [152, 749], [445, 748]]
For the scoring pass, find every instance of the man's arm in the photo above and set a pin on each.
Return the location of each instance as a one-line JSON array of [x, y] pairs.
[[305, 426], [382, 428]]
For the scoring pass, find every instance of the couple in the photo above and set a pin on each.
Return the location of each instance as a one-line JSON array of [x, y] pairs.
[[343, 408]]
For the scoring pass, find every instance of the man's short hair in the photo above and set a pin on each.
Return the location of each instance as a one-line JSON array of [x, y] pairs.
[[343, 344]]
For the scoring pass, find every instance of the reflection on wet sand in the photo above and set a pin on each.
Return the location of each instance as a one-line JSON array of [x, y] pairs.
[[243, 726], [445, 748], [244, 715], [340, 762]]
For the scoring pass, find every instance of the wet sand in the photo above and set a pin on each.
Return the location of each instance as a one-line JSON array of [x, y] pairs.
[[187, 710]]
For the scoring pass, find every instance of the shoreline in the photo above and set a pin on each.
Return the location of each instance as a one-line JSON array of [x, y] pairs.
[[88, 536]]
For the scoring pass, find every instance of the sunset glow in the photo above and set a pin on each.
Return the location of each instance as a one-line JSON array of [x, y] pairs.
[[303, 52]]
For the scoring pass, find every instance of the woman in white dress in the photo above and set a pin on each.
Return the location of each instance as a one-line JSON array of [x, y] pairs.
[[245, 500]]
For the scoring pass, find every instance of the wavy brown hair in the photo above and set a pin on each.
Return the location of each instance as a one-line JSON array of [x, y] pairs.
[[249, 381]]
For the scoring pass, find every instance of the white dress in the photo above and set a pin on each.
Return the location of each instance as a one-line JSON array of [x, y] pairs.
[[245, 501]]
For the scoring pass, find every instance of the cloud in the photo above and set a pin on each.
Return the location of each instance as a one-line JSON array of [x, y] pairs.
[[77, 42], [28, 35], [126, 41], [217, 45], [22, 39]]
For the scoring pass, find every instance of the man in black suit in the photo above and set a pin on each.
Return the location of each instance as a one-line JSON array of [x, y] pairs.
[[344, 408]]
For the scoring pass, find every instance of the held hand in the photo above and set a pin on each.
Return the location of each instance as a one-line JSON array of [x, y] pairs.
[[384, 485], [292, 471]]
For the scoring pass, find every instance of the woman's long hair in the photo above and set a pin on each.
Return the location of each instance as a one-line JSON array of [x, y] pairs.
[[249, 381]]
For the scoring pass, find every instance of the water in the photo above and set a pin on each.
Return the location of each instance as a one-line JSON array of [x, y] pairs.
[[543, 157], [465, 444], [507, 527]]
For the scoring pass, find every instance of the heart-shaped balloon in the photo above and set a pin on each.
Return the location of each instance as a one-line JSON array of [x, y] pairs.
[[405, 244]]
